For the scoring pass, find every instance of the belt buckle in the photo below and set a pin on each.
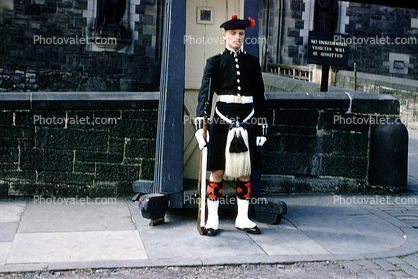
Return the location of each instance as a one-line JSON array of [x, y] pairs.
[[238, 99]]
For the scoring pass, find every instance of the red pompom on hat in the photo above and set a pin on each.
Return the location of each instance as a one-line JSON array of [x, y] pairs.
[[252, 22], [235, 23]]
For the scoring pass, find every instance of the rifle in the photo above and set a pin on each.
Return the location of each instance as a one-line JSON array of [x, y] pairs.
[[201, 185], [201, 181]]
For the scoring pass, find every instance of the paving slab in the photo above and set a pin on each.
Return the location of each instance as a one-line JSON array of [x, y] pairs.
[[75, 232], [8, 231], [11, 210], [79, 216], [179, 238], [341, 228], [76, 247], [4, 251]]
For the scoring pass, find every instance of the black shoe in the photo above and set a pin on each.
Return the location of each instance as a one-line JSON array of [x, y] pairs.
[[210, 232], [254, 230]]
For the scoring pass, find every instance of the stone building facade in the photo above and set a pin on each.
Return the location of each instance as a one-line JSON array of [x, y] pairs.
[[61, 45], [286, 24]]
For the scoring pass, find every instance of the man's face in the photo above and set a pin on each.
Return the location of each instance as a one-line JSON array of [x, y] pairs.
[[234, 38]]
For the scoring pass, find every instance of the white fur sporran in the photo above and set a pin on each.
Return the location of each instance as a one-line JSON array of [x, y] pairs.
[[237, 164]]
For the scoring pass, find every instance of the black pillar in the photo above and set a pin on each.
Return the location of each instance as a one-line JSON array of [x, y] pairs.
[[168, 172], [251, 9]]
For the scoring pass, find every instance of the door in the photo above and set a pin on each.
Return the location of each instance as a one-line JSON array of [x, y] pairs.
[[203, 39]]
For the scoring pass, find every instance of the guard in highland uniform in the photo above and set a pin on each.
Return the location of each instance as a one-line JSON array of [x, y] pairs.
[[238, 126]]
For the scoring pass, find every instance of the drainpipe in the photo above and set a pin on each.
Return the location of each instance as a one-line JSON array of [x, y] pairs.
[[279, 43], [267, 36]]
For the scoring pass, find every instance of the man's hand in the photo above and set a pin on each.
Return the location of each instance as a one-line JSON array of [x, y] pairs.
[[200, 140], [262, 138], [260, 141], [199, 133]]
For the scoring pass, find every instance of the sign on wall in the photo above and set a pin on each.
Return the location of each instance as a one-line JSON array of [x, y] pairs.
[[328, 49]]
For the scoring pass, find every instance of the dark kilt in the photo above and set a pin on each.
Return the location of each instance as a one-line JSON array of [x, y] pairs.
[[218, 132]]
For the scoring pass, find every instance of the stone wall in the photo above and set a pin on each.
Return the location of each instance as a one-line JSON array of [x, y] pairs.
[[315, 145], [405, 90], [308, 149], [280, 23], [77, 65], [107, 142], [396, 24]]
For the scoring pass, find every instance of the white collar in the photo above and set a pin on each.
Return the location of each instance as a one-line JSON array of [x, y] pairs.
[[235, 52]]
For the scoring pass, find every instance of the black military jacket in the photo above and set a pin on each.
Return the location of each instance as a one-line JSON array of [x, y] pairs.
[[232, 73]]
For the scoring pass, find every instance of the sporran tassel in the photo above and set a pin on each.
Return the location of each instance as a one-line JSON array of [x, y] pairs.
[[237, 154]]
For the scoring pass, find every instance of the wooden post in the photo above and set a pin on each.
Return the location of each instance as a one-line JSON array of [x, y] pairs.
[[325, 78], [355, 76], [168, 172]]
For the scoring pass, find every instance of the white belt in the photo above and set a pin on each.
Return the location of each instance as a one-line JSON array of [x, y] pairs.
[[236, 99], [229, 121]]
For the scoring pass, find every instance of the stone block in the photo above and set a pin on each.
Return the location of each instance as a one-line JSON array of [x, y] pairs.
[[299, 143], [292, 130], [147, 169], [80, 22], [43, 159], [146, 19], [102, 189], [290, 163], [139, 9], [80, 4], [336, 121], [59, 138], [343, 166], [98, 156], [108, 114], [117, 172], [17, 132], [275, 184], [134, 129], [6, 118], [116, 145], [4, 190], [84, 167], [9, 152], [327, 184], [324, 144], [274, 143], [148, 115], [353, 144], [21, 175], [124, 188], [296, 117], [65, 178], [140, 148]]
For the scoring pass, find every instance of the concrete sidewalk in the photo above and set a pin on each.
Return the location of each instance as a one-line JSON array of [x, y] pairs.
[[106, 233]]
